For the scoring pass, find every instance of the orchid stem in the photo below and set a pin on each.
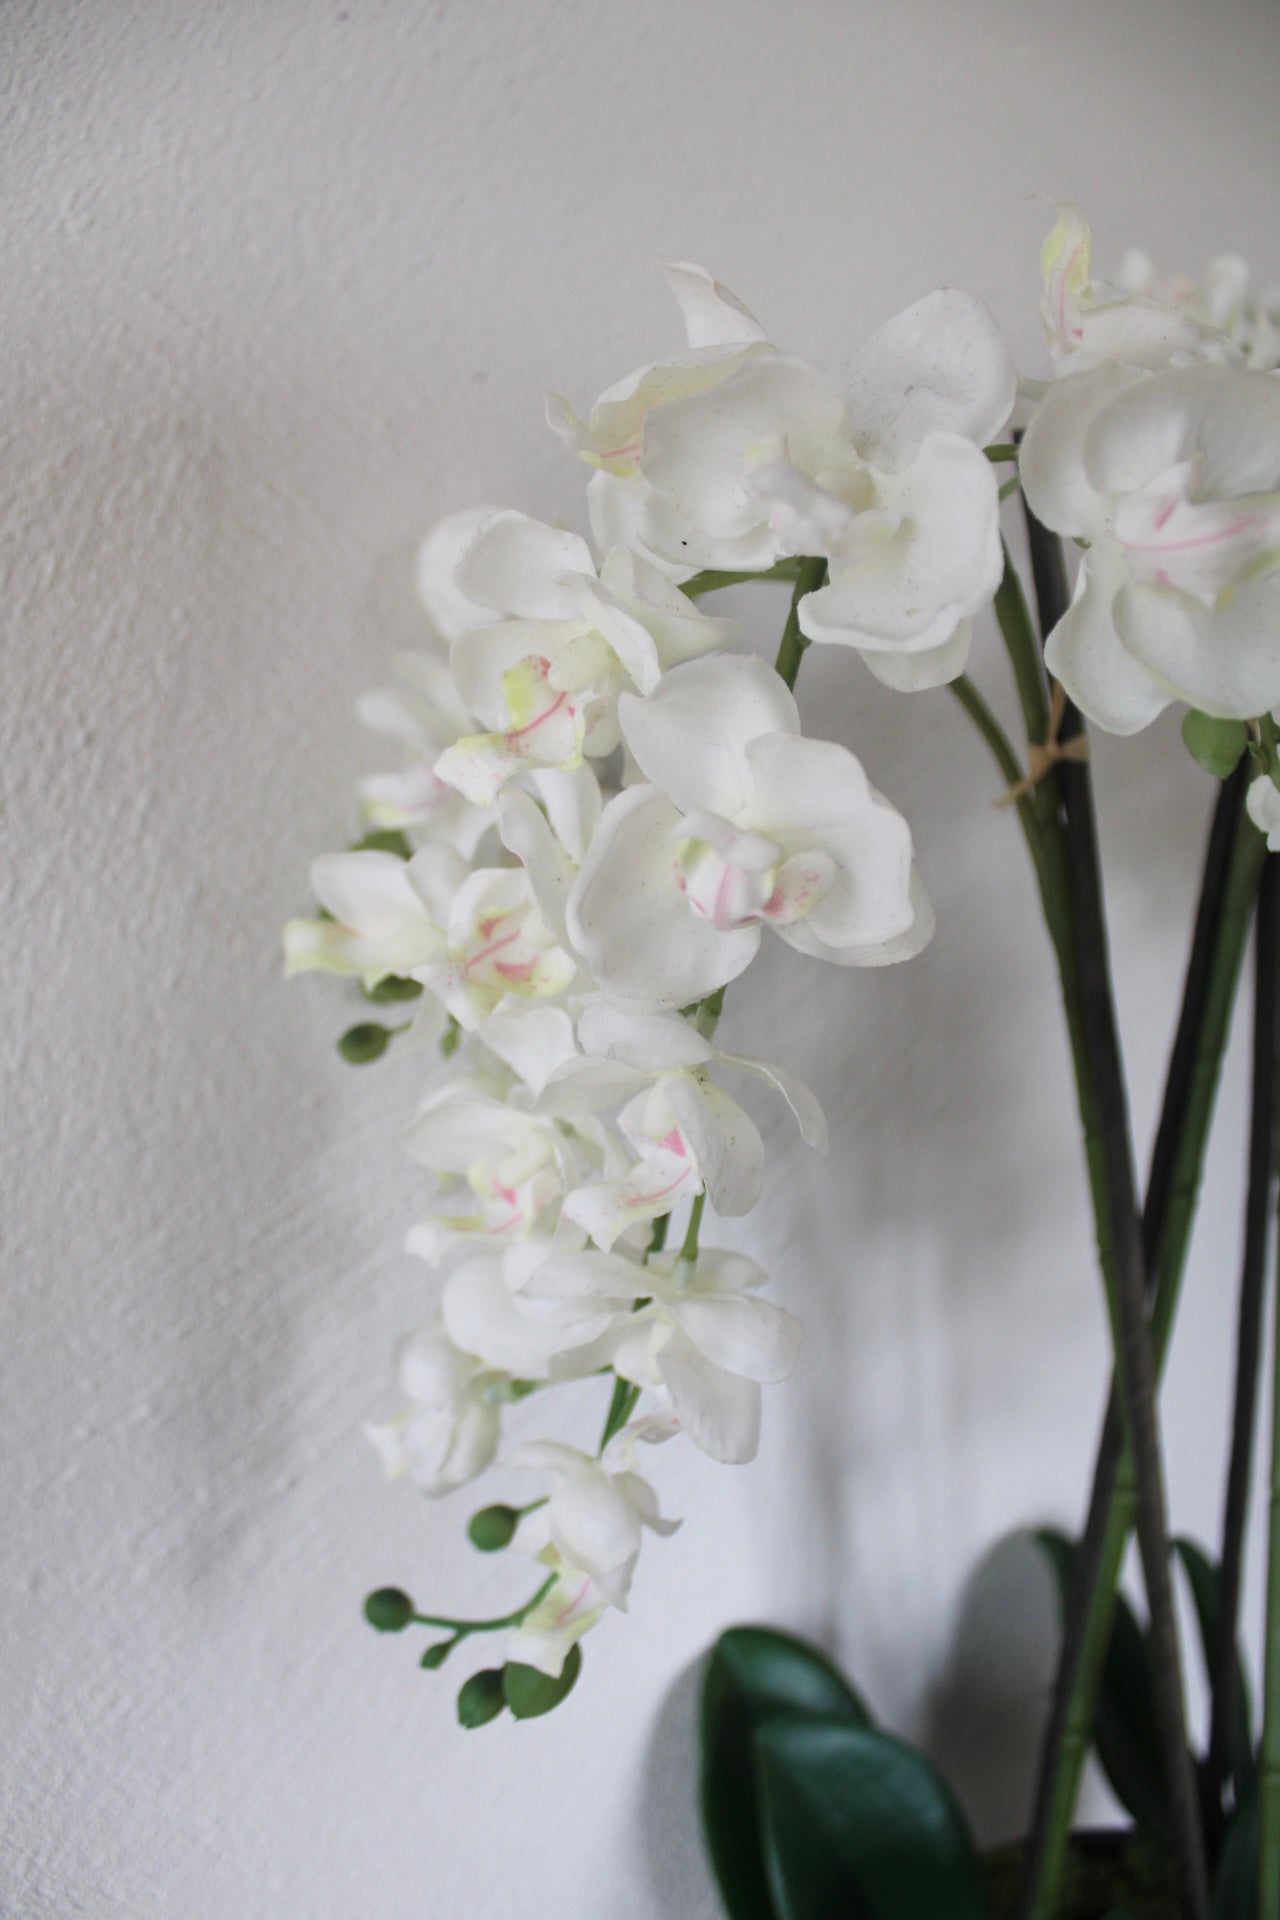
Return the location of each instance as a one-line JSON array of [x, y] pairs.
[[464, 1627], [809, 576], [1224, 1733], [1222, 921], [713, 578], [1139, 1475]]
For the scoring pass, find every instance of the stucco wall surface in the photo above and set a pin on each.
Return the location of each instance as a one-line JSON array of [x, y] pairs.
[[284, 283]]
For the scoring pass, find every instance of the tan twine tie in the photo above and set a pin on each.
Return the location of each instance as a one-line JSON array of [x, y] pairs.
[[1043, 757]]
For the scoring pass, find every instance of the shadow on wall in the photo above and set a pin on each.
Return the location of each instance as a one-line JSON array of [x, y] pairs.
[[669, 1827]]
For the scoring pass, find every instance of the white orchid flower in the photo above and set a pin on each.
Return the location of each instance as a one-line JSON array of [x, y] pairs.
[[642, 1045], [721, 336], [532, 1041], [571, 1606], [550, 835], [1263, 803], [487, 1310], [496, 944], [1088, 326], [1222, 303], [704, 1339], [424, 716], [744, 825], [516, 1165], [1174, 481], [386, 914], [689, 1137], [886, 480], [451, 610], [448, 1431], [545, 681], [596, 1512]]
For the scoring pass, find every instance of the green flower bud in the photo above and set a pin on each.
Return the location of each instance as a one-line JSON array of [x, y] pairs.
[[530, 1693], [369, 1041], [391, 989], [491, 1529], [1215, 744], [435, 1656], [389, 1610], [481, 1698]]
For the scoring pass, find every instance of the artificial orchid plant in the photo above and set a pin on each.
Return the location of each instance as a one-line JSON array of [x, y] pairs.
[[605, 806]]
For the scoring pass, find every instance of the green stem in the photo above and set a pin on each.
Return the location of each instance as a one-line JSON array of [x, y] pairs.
[[1269, 1755], [464, 1627], [810, 575], [689, 1251], [1224, 1733], [1010, 767], [1003, 450], [714, 578], [1023, 648], [621, 1408], [1231, 870], [1121, 1244], [625, 1394]]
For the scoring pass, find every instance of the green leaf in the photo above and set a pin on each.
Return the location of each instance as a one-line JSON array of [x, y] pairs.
[[857, 1823], [369, 1041], [389, 1610], [1215, 744], [481, 1698], [491, 1529], [436, 1655], [383, 840], [1202, 1577], [392, 988], [530, 1693], [1235, 1888], [1126, 1730], [751, 1674]]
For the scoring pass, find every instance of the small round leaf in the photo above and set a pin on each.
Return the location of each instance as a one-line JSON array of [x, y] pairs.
[[530, 1693], [481, 1699], [369, 1041]]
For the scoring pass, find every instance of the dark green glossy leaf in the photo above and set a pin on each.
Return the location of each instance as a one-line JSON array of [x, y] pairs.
[[856, 1823], [481, 1698], [1126, 1731], [1215, 744], [530, 1693], [1235, 1890], [1202, 1578], [751, 1673]]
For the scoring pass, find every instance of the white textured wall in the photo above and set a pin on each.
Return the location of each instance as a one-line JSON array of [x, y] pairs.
[[283, 283]]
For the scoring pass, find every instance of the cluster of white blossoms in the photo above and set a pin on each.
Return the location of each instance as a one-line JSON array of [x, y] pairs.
[[607, 804]]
